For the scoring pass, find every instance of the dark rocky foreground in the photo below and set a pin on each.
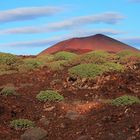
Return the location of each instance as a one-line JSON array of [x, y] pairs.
[[81, 116]]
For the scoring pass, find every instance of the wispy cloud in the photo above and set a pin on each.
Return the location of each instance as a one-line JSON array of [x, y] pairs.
[[108, 18], [34, 43], [27, 13], [86, 32], [52, 41]]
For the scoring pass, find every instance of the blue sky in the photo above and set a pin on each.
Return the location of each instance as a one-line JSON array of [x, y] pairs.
[[30, 26]]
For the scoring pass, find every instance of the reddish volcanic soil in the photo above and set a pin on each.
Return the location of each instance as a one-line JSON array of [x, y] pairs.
[[92, 120], [86, 44]]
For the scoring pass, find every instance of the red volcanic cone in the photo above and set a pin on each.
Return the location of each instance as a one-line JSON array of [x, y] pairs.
[[86, 44]]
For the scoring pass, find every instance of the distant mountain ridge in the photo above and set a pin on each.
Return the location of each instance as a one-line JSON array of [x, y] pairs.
[[87, 44]]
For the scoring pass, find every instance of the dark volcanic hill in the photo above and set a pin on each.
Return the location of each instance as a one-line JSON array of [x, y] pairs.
[[86, 44]]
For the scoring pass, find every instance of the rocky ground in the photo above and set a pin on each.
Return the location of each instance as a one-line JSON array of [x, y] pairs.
[[81, 116]]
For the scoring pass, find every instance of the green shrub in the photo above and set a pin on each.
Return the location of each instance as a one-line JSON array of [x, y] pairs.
[[22, 124], [94, 57], [56, 65], [9, 63], [9, 59], [45, 58], [5, 69], [32, 63], [64, 55], [29, 64], [7, 91], [125, 100], [49, 95], [86, 70], [93, 70], [126, 54], [110, 66]]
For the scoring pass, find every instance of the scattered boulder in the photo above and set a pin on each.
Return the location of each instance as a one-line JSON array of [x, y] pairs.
[[44, 121], [34, 134], [73, 115]]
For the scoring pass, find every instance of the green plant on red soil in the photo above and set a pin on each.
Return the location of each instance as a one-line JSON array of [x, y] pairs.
[[125, 100], [86, 70], [127, 53], [56, 65], [32, 63], [110, 66], [9, 63], [93, 70], [5, 69], [8, 91], [49, 95], [63, 55], [21, 124], [92, 57], [9, 59], [29, 64], [45, 58], [127, 56]]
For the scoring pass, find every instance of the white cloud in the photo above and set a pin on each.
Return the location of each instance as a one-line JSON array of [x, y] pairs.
[[108, 18], [27, 13], [52, 41], [34, 43], [85, 32]]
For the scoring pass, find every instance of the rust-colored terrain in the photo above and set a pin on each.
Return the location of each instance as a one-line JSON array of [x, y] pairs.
[[87, 44], [87, 111], [93, 120]]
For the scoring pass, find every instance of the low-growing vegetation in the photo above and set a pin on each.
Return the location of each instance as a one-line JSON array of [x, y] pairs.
[[29, 64], [64, 55], [12, 64], [21, 124], [9, 63], [49, 95], [127, 53], [45, 58], [126, 56], [9, 59], [8, 91], [56, 65], [94, 57], [93, 70], [125, 100], [86, 70], [110, 66]]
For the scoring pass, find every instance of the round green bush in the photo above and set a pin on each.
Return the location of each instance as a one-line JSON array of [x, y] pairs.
[[45, 58], [7, 91], [94, 57], [125, 100], [9, 59], [63, 55], [86, 70], [22, 124], [110, 66], [56, 65], [49, 95], [127, 55], [29, 64]]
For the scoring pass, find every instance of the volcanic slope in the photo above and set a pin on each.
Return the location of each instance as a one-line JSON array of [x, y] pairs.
[[87, 44]]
